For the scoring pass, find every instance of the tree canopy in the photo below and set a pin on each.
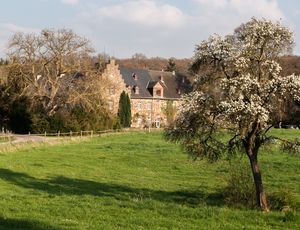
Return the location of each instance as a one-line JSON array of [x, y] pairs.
[[239, 88], [56, 72]]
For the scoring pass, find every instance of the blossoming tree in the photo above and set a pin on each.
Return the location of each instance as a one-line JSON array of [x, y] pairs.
[[239, 89]]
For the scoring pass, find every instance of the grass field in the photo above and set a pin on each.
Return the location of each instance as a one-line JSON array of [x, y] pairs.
[[131, 181]]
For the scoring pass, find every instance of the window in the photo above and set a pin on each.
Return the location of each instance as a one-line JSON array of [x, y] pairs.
[[149, 106], [158, 93], [139, 121], [111, 91], [148, 122], [139, 106], [157, 122], [110, 105]]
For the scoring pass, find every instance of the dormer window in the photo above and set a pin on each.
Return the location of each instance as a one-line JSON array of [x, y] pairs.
[[158, 93], [134, 76], [136, 90]]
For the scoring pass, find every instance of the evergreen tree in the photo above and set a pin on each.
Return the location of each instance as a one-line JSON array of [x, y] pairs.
[[124, 112], [171, 65], [128, 112]]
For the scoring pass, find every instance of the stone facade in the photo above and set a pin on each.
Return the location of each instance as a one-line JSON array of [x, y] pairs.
[[117, 85], [149, 92], [149, 112]]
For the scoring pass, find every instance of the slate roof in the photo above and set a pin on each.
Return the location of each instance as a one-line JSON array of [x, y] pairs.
[[143, 77], [174, 85]]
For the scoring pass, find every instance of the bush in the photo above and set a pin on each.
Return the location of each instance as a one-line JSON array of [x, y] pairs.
[[290, 216], [240, 190], [283, 200], [292, 147], [20, 118], [116, 124]]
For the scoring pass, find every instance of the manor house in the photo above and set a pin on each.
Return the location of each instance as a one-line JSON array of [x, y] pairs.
[[148, 90]]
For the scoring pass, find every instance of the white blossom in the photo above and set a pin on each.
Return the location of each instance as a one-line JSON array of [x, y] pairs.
[[250, 77]]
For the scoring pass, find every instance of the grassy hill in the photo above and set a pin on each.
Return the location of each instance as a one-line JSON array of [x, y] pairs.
[[131, 181]]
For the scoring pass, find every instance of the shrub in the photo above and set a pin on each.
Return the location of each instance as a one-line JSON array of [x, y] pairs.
[[283, 199], [292, 147], [116, 124], [240, 190], [20, 117], [289, 216]]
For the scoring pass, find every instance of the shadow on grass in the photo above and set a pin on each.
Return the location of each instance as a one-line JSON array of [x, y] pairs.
[[14, 224], [63, 185]]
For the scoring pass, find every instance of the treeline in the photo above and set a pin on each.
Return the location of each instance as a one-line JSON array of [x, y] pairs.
[[290, 64], [140, 61]]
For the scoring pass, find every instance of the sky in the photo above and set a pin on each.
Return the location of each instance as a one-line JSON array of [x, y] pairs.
[[156, 28]]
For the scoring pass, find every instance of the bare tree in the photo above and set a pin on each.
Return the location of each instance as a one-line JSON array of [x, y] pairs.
[[55, 68]]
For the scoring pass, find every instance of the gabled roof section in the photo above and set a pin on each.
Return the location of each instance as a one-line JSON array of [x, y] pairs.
[[142, 79], [174, 84]]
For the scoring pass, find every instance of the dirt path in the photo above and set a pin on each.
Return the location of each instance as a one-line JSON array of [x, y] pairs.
[[28, 138], [18, 138]]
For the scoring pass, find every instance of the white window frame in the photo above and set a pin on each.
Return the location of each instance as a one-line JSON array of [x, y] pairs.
[[110, 105], [157, 122], [139, 106], [149, 106], [111, 90]]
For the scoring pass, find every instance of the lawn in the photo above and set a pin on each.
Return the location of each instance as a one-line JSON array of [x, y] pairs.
[[131, 181]]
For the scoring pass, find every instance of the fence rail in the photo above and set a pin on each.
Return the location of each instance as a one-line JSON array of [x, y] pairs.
[[9, 137], [60, 134]]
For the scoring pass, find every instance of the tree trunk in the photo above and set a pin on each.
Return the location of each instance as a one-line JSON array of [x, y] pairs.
[[261, 197]]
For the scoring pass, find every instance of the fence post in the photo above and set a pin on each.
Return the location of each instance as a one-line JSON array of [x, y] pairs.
[[80, 133], [92, 133], [45, 133], [10, 137], [71, 134], [58, 133]]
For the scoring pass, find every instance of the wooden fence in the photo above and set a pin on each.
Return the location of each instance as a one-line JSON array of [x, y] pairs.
[[11, 137]]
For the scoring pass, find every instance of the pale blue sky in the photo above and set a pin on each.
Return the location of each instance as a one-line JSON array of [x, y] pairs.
[[154, 27]]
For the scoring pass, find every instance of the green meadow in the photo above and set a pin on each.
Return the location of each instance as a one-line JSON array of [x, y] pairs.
[[133, 181]]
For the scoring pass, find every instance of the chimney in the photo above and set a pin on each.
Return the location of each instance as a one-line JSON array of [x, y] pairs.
[[112, 61], [134, 76], [161, 78]]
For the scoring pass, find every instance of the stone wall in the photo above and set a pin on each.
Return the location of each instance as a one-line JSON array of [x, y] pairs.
[[147, 112], [117, 86]]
